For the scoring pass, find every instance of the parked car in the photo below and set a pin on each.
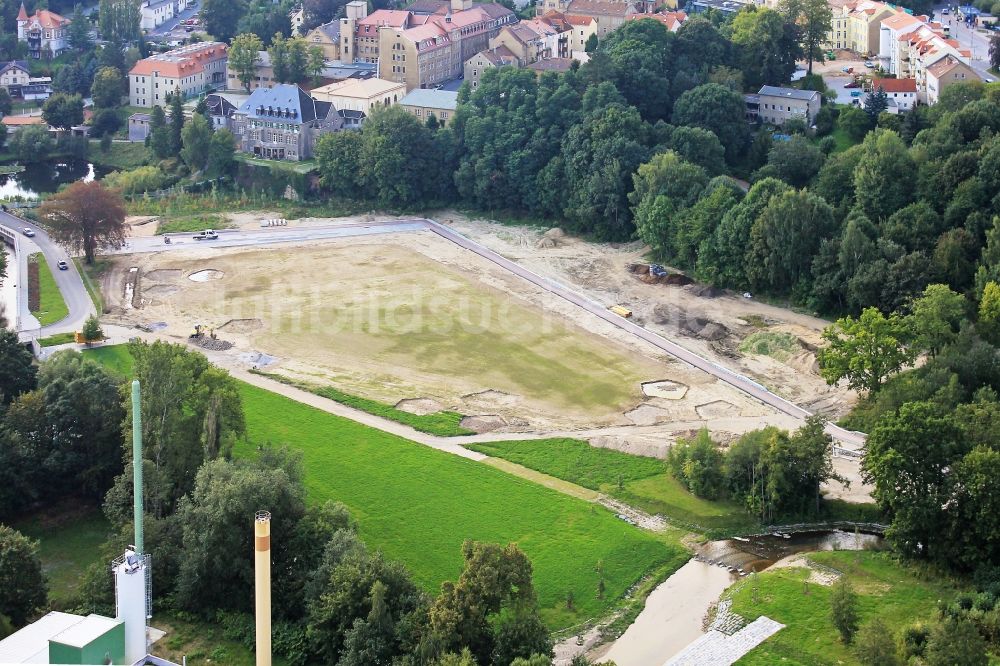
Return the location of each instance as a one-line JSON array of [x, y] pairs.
[[63, 266], [945, 11], [869, 64], [856, 93], [852, 84], [847, 70], [28, 232]]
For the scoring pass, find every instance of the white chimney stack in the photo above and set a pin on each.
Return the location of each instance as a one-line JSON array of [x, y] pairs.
[[130, 602], [262, 578]]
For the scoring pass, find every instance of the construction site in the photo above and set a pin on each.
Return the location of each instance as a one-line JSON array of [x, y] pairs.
[[414, 320]]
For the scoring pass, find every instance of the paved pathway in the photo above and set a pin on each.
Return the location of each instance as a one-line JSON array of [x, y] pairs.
[[717, 649]]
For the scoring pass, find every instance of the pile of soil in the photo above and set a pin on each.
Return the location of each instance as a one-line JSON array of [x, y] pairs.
[[213, 345], [706, 291], [551, 238]]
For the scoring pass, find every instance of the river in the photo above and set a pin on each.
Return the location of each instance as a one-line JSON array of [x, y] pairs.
[[672, 616], [46, 177]]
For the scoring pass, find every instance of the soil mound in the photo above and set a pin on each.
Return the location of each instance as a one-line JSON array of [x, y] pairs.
[[419, 406], [213, 345], [706, 291]]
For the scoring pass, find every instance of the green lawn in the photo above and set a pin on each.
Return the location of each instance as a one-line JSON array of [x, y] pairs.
[[121, 156], [91, 275], [69, 542], [443, 424], [57, 339], [115, 357], [51, 306], [645, 482], [844, 141], [305, 166], [191, 223], [418, 505], [899, 594]]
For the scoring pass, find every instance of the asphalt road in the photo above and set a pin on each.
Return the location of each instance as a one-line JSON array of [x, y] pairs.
[[173, 25], [978, 41], [69, 282]]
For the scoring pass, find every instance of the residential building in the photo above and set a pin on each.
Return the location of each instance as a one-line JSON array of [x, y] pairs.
[[492, 58], [154, 13], [534, 40], [902, 92], [327, 37], [283, 123], [221, 107], [672, 20], [583, 28], [425, 51], [44, 32], [14, 123], [609, 14], [296, 18], [355, 98], [946, 71], [727, 7], [911, 44], [424, 103], [551, 65], [776, 105], [14, 74], [193, 69]]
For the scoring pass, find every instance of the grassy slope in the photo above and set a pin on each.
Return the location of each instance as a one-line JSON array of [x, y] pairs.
[[121, 156], [51, 306], [57, 339], [69, 544], [647, 484], [443, 424], [194, 223], [91, 274], [900, 595], [418, 505]]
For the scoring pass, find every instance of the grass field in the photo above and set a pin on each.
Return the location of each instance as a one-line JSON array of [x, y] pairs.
[[191, 223], [57, 339], [69, 541], [115, 357], [91, 274], [51, 306], [642, 482], [121, 156], [899, 594], [442, 424], [418, 505]]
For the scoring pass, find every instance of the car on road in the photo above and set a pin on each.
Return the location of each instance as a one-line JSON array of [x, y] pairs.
[[27, 232], [847, 70], [869, 64], [63, 266], [945, 11], [207, 234], [856, 93], [852, 84]]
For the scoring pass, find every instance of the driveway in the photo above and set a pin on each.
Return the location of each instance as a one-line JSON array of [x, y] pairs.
[[69, 282]]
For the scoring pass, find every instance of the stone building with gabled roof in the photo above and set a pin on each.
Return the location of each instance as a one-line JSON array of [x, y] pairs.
[[45, 32], [283, 123]]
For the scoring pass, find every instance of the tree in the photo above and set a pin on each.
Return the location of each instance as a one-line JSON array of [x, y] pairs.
[[78, 33], [22, 584], [865, 351], [697, 463], [813, 19], [844, 609], [662, 188], [989, 311], [176, 122], [908, 458], [244, 56], [221, 151], [767, 47], [315, 64], [995, 51], [6, 103], [222, 16], [85, 216], [492, 609], [107, 88], [719, 110], [338, 157], [191, 413], [956, 643], [936, 317], [796, 161], [196, 140], [159, 134], [92, 329], [874, 645], [885, 178], [973, 539], [699, 146], [318, 12], [17, 370], [31, 144], [62, 110], [876, 103], [119, 21], [855, 122]]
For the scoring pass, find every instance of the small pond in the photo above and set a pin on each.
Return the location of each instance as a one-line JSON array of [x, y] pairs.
[[46, 177]]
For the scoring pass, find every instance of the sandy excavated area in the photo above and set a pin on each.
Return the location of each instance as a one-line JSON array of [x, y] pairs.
[[710, 326], [414, 317]]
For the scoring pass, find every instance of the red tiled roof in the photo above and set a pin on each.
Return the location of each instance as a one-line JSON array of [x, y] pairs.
[[45, 18], [180, 62], [895, 85]]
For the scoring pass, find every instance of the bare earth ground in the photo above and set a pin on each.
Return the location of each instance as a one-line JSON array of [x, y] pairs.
[[413, 318]]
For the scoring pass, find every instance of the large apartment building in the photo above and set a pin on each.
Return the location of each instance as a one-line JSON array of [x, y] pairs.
[[192, 69], [856, 24], [608, 14], [428, 49]]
